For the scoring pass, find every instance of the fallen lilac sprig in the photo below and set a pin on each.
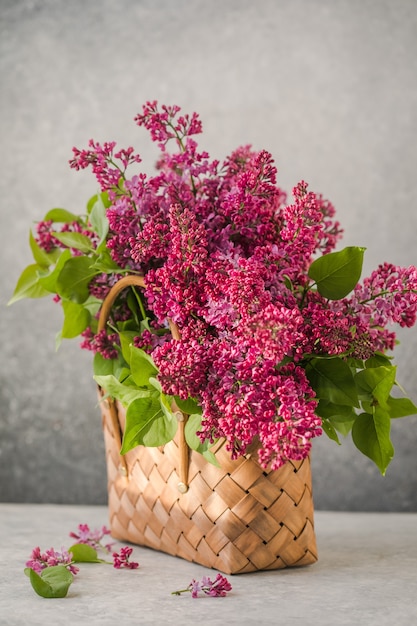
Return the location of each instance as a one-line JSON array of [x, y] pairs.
[[92, 538], [52, 572], [121, 559], [217, 588], [39, 561]]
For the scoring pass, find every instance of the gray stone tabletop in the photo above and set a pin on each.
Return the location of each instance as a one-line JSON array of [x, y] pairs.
[[366, 575]]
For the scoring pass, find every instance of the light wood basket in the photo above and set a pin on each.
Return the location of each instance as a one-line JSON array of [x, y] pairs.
[[234, 518]]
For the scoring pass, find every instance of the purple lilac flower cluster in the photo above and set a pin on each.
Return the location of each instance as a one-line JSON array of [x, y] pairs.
[[122, 560], [92, 537], [217, 588], [226, 258], [38, 560]]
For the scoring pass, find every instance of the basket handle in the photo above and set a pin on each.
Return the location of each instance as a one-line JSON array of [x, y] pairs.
[[138, 281]]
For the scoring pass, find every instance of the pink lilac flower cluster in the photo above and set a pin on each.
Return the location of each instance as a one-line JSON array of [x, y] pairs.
[[226, 258], [92, 537], [217, 588], [122, 560], [38, 560]]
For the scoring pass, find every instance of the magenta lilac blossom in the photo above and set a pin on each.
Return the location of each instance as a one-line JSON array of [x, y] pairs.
[[217, 588], [226, 257], [38, 560]]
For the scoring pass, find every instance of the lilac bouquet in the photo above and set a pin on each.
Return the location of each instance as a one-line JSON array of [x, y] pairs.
[[279, 339]]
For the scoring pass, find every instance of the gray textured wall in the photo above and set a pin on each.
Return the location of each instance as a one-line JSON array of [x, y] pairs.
[[328, 86]]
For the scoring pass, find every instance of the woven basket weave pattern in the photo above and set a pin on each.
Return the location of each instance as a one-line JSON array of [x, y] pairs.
[[237, 518]]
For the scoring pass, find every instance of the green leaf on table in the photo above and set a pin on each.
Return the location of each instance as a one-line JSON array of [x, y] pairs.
[[337, 273], [83, 553], [53, 582], [332, 380], [371, 435]]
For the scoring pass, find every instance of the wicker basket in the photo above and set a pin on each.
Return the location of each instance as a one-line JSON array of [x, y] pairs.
[[237, 518]]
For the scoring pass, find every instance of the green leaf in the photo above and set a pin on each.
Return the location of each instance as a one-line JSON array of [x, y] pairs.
[[76, 319], [341, 424], [103, 196], [142, 366], [330, 431], [377, 383], [154, 382], [165, 402], [192, 426], [337, 273], [328, 410], [332, 380], [53, 582], [28, 285], [42, 258], [104, 262], [210, 457], [83, 553], [125, 394], [93, 305], [339, 416], [371, 435], [78, 241], [146, 424], [377, 360], [99, 220], [75, 276], [107, 367], [188, 406], [400, 407], [61, 216], [126, 340], [49, 281]]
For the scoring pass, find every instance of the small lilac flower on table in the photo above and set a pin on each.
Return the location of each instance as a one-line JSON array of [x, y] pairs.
[[39, 561], [122, 559], [92, 537], [216, 588]]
